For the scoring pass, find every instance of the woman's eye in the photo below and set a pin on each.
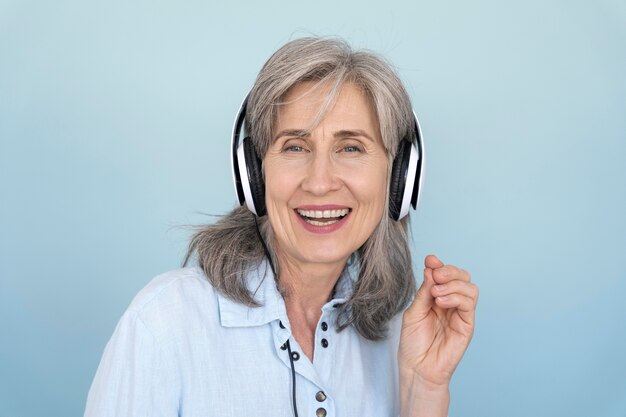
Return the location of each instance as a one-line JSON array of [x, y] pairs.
[[294, 148], [351, 149]]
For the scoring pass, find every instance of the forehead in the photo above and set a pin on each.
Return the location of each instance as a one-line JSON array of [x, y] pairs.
[[307, 105]]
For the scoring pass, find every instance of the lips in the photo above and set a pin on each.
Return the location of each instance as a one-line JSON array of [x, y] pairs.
[[322, 218]]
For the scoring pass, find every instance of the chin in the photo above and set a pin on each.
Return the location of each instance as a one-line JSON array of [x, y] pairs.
[[328, 256]]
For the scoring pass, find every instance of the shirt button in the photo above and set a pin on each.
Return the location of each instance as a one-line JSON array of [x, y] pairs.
[[280, 323], [324, 343], [324, 326], [320, 396], [321, 412], [295, 356], [284, 346]]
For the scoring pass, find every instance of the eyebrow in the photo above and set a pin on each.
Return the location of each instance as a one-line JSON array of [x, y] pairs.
[[301, 133], [353, 133]]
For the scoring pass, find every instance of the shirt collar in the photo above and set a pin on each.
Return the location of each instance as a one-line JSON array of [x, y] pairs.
[[262, 285]]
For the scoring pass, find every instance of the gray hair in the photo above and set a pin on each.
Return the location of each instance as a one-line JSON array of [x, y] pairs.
[[227, 249]]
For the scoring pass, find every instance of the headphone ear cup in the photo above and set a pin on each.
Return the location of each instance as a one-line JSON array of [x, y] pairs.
[[398, 179], [255, 178]]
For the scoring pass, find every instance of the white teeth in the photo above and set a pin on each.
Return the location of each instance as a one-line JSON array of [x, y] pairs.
[[325, 214], [316, 223]]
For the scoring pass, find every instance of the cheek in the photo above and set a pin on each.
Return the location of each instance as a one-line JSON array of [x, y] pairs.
[[279, 189], [379, 180], [273, 182], [380, 196], [371, 190]]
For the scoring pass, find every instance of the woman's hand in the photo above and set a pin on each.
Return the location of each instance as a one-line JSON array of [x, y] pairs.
[[436, 330]]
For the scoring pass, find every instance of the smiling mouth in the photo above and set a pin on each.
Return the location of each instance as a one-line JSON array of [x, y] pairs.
[[323, 217]]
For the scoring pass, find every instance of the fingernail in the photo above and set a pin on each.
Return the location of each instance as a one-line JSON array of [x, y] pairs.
[[440, 287], [444, 271]]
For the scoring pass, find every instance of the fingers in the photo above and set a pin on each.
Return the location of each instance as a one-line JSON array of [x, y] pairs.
[[432, 262], [466, 289], [445, 286], [423, 299], [463, 304], [444, 273], [449, 273], [458, 294]]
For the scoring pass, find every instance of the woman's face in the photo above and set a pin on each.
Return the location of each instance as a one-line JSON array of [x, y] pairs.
[[325, 189]]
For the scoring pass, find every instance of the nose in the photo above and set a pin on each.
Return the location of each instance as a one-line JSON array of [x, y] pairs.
[[321, 176]]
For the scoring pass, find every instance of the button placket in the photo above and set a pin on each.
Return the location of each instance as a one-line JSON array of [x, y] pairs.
[[281, 337], [325, 350], [320, 396], [323, 405], [324, 327], [323, 331]]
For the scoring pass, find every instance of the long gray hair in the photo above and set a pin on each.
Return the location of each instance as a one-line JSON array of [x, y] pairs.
[[227, 249]]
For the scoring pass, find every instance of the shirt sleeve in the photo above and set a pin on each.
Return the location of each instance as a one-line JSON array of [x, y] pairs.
[[135, 377]]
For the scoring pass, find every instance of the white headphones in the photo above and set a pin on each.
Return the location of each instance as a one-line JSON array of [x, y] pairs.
[[404, 186]]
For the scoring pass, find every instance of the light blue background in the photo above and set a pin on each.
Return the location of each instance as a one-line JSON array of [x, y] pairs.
[[115, 120]]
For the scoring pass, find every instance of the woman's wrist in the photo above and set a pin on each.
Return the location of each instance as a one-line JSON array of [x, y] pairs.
[[422, 398]]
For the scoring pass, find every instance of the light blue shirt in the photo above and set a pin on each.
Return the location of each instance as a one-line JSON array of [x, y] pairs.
[[183, 349]]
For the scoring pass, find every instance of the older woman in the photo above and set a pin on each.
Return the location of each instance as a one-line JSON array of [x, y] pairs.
[[300, 308]]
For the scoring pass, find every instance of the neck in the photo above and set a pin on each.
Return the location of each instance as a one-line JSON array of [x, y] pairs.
[[306, 288]]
